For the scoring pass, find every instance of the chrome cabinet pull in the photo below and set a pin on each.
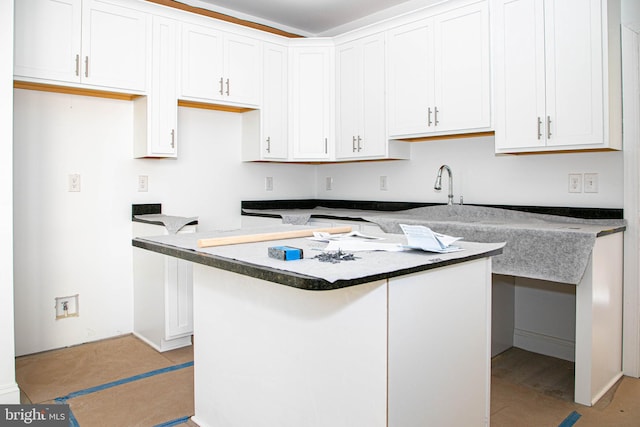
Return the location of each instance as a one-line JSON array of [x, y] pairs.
[[429, 117], [539, 128], [268, 144], [77, 65], [359, 143], [173, 138], [436, 116], [548, 127], [227, 87], [353, 144], [86, 66], [325, 146], [221, 88]]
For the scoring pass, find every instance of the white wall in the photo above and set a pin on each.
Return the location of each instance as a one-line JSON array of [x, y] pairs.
[[9, 392], [68, 243], [480, 176]]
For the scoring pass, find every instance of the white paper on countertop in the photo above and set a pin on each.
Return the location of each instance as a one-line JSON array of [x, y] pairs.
[[423, 238], [359, 245]]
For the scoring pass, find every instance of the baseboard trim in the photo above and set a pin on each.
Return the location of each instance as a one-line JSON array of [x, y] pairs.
[[544, 344], [9, 394]]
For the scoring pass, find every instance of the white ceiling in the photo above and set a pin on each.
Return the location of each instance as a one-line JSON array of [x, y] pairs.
[[309, 17]]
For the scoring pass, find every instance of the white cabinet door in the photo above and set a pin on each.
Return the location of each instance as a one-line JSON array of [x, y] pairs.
[[462, 72], [360, 99], [178, 298], [202, 71], [557, 75], [439, 74], [114, 46], [243, 69], [217, 66], [274, 103], [47, 39], [90, 42], [410, 87], [349, 100], [519, 74], [574, 95], [159, 112], [311, 102]]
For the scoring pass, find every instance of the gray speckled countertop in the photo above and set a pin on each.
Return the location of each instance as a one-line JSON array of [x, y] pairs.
[[252, 259], [539, 246]]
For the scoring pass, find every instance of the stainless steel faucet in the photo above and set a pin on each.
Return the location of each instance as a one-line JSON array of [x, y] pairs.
[[438, 183]]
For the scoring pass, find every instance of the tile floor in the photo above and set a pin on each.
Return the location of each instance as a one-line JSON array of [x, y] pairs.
[[123, 382]]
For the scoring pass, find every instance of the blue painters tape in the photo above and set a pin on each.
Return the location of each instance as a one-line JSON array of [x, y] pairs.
[[173, 422], [73, 422], [125, 380], [570, 420]]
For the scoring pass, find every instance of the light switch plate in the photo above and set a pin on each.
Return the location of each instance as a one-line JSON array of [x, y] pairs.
[[590, 182]]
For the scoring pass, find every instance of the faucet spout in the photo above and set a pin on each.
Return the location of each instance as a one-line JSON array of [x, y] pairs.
[[438, 184]]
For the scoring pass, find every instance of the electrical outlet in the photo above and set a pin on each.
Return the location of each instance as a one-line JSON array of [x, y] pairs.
[[590, 182], [74, 182], [328, 183], [268, 183], [383, 183], [67, 307], [143, 183], [575, 183]]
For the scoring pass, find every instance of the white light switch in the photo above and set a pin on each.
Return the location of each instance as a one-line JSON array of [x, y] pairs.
[[143, 183], [590, 182]]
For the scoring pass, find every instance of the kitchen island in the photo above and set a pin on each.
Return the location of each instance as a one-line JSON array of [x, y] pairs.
[[388, 339]]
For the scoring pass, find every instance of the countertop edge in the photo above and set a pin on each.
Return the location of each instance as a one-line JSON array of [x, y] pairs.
[[291, 279]]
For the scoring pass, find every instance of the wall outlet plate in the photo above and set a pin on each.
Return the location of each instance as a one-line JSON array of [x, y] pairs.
[[575, 183], [67, 307]]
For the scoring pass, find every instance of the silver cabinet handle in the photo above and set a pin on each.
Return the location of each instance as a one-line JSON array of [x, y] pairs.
[[539, 128], [173, 138], [221, 89], [227, 87], [436, 116], [548, 127], [429, 117], [359, 143], [353, 144], [77, 65], [268, 144], [86, 66], [325, 146]]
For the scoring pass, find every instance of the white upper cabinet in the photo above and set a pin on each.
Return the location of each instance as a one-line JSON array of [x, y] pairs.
[[81, 41], [311, 105], [156, 115], [220, 67], [360, 108], [439, 74], [275, 136], [557, 79]]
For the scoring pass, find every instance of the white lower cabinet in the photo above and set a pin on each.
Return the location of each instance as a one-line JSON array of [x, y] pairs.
[[162, 294]]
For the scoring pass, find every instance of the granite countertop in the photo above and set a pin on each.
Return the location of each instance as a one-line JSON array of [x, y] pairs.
[[539, 246], [252, 259]]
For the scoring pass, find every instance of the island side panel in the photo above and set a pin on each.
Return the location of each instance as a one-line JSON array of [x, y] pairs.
[[272, 355], [599, 321], [439, 347]]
